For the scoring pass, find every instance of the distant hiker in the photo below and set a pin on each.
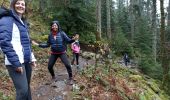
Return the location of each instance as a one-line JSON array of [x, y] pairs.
[[56, 40], [126, 59], [10, 1], [75, 47], [16, 46]]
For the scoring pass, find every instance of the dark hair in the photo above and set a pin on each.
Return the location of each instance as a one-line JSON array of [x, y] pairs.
[[76, 33], [55, 22]]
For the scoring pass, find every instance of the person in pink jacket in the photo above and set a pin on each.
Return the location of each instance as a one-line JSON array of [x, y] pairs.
[[75, 47]]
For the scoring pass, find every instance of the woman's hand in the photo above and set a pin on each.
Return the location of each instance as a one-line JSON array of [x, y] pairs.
[[74, 38], [34, 64], [19, 70], [34, 43]]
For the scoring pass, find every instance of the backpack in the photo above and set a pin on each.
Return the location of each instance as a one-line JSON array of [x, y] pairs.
[[4, 12], [75, 46]]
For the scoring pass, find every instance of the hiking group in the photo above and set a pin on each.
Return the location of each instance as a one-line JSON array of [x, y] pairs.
[[15, 44]]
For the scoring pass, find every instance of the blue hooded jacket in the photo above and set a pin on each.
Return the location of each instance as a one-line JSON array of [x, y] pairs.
[[6, 31]]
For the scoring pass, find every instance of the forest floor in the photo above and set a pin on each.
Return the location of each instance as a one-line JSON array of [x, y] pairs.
[[92, 83], [43, 88]]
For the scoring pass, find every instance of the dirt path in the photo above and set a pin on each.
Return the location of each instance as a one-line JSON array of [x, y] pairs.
[[43, 88]]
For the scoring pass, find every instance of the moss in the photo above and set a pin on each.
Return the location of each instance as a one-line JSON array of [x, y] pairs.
[[154, 87], [5, 97], [142, 96], [135, 78]]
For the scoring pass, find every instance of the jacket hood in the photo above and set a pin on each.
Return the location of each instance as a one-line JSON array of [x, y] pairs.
[[4, 12], [8, 12]]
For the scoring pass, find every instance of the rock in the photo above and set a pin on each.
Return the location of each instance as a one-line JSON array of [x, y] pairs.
[[135, 78]]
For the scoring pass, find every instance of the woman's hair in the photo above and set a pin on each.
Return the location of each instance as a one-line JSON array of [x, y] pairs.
[[13, 2], [76, 33], [12, 5], [54, 22]]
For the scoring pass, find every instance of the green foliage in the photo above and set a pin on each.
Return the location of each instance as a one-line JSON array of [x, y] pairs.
[[88, 37], [143, 37], [121, 43], [121, 20], [75, 16], [168, 86], [148, 66], [4, 97], [144, 87], [5, 3]]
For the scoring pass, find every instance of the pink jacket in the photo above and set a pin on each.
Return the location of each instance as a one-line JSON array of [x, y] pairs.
[[75, 47]]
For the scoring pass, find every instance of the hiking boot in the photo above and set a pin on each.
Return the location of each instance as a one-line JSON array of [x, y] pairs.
[[70, 81], [71, 66], [54, 78], [78, 68]]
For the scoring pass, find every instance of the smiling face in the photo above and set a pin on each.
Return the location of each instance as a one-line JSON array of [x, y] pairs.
[[20, 7], [54, 27], [77, 36]]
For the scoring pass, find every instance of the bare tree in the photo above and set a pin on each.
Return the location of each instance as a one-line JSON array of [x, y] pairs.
[[154, 30], [168, 15], [164, 60], [98, 15], [132, 19], [108, 2]]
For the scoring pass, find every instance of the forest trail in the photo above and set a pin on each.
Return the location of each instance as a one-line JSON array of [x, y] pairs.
[[43, 88], [123, 83]]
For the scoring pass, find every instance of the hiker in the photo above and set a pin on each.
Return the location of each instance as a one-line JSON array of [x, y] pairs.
[[75, 47], [10, 1], [16, 46], [126, 59], [57, 40]]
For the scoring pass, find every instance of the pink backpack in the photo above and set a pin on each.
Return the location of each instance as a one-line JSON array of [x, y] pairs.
[[75, 47]]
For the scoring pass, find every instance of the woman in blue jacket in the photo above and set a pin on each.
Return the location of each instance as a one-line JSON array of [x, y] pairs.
[[57, 40], [15, 44]]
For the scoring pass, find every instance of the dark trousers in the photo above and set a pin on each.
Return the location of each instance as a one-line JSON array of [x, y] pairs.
[[126, 61], [21, 81], [75, 56], [64, 59]]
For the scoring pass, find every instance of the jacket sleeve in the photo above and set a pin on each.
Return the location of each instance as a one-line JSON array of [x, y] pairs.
[[6, 27], [66, 38], [45, 45], [33, 57]]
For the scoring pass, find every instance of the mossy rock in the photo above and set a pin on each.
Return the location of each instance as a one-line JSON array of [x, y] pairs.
[[154, 87], [135, 78]]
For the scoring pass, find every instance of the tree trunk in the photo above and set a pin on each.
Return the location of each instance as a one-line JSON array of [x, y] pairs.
[[148, 9], [108, 20], [98, 15], [163, 50], [168, 15], [154, 30], [132, 20]]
